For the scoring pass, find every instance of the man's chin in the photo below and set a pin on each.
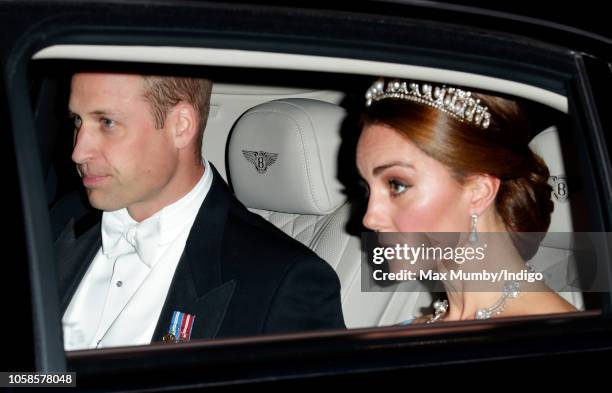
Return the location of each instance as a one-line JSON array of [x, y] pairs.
[[99, 202]]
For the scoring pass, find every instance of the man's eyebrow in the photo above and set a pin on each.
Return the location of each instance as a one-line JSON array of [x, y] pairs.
[[107, 113], [381, 168], [99, 113]]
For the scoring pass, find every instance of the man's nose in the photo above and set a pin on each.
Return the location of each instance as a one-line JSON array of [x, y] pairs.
[[84, 145]]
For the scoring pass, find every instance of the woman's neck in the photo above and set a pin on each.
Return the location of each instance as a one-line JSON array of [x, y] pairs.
[[476, 288]]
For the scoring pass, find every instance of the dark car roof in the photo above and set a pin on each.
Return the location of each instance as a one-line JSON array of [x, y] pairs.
[[557, 22], [583, 15]]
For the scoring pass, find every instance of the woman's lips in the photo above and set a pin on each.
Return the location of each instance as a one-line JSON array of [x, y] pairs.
[[92, 181]]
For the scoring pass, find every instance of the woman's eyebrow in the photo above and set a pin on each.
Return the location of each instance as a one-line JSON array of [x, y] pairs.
[[381, 168]]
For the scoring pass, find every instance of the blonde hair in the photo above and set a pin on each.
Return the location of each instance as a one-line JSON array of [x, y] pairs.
[[165, 92]]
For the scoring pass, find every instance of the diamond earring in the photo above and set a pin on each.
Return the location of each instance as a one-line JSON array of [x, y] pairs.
[[473, 238]]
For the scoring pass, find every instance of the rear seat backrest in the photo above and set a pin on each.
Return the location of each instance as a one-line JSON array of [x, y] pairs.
[[283, 165], [555, 255]]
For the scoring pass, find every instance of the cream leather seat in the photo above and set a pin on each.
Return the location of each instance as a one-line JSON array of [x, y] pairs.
[[283, 160], [555, 258]]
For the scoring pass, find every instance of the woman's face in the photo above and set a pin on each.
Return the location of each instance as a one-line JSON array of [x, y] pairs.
[[408, 190]]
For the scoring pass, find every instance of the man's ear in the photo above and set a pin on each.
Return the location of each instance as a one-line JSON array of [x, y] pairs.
[[483, 190], [184, 125]]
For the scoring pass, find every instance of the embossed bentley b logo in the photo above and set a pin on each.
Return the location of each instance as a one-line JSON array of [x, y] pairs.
[[260, 159], [559, 185]]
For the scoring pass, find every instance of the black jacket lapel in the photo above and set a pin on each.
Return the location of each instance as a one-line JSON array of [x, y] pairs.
[[197, 287], [75, 249]]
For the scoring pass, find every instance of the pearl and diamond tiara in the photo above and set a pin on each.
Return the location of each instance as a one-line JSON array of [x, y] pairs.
[[453, 101]]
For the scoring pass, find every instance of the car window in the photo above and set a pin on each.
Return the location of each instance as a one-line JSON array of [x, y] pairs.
[[234, 118]]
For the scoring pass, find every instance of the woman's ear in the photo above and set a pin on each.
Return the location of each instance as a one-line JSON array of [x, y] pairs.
[[483, 190], [185, 125]]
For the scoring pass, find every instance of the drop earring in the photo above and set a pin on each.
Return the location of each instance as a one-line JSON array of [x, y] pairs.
[[473, 238]]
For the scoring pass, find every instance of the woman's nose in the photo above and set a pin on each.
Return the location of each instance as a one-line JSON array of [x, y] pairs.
[[374, 218]]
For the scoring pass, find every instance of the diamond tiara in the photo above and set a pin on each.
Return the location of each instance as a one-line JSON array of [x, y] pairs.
[[453, 101]]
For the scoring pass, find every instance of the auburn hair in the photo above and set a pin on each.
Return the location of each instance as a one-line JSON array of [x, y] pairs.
[[524, 197]]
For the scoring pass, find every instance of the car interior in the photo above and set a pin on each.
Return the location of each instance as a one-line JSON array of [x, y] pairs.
[[305, 197], [284, 140]]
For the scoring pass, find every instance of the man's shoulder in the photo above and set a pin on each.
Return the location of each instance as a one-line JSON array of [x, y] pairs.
[[246, 226], [257, 252], [255, 238]]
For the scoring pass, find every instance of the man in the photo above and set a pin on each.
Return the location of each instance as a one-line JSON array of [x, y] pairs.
[[174, 256]]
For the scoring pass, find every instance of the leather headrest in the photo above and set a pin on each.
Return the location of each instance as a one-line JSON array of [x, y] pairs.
[[283, 156], [547, 145]]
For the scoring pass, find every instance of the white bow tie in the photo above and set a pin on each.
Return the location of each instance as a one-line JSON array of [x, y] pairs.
[[119, 237]]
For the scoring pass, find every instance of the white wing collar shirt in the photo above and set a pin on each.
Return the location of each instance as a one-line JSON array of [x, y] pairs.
[[120, 298]]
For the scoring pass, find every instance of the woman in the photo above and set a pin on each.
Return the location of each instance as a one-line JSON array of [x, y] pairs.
[[441, 159]]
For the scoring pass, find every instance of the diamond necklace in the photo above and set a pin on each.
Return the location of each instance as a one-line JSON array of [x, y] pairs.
[[511, 290]]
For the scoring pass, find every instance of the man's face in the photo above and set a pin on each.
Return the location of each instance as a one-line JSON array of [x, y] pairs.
[[123, 159]]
